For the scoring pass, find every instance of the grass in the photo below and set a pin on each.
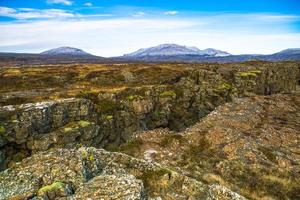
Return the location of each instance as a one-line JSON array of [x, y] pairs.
[[131, 147], [153, 180], [269, 153]]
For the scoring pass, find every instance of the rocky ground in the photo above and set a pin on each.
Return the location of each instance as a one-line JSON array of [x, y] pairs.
[[171, 131], [250, 146]]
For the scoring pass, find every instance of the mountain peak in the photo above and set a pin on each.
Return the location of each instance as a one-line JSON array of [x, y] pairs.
[[65, 50], [175, 50]]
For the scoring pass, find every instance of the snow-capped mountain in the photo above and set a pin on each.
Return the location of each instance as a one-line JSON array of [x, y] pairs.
[[174, 50], [65, 51], [215, 52]]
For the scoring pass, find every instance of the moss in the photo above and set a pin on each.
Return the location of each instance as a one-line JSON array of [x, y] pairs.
[[107, 105], [168, 94], [255, 71], [134, 97], [84, 123], [84, 154], [91, 158], [225, 86], [109, 117], [68, 129], [54, 186], [2, 129], [246, 74]]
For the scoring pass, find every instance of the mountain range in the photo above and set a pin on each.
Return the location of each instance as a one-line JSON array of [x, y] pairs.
[[160, 53], [175, 50]]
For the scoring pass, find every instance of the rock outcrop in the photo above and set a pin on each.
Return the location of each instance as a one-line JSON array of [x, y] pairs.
[[244, 144], [89, 173], [250, 146], [107, 119]]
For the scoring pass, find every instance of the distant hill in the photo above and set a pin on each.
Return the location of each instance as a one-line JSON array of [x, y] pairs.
[[38, 59], [165, 50], [177, 53], [65, 51], [160, 53]]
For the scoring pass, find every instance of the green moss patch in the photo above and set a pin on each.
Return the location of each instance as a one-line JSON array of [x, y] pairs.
[[168, 94], [134, 97], [54, 186], [2, 129], [83, 123], [109, 117], [251, 74]]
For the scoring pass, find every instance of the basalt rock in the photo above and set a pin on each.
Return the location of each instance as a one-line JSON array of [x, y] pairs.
[[88, 173], [107, 119], [250, 146]]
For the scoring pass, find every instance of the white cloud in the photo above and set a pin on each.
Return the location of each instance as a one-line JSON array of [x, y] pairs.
[[237, 34], [88, 4], [64, 2], [171, 12], [139, 14], [29, 13]]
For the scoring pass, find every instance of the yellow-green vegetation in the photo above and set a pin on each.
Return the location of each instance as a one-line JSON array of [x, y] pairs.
[[2, 129], [169, 93], [225, 86], [91, 158], [134, 97], [256, 71], [84, 154], [84, 123], [54, 186], [109, 117], [252, 73], [68, 129]]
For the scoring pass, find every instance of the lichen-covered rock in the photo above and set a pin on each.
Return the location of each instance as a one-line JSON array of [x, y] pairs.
[[123, 187], [250, 146], [97, 174], [25, 120]]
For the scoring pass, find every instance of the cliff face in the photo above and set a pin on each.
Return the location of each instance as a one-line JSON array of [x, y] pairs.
[[105, 108], [106, 119]]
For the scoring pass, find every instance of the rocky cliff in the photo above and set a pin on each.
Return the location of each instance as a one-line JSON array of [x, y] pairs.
[[107, 119], [100, 107]]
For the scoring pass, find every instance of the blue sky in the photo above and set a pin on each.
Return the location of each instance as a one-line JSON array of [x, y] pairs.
[[114, 27]]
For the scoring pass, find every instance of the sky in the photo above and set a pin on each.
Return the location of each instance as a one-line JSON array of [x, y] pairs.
[[114, 27]]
